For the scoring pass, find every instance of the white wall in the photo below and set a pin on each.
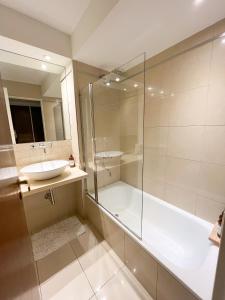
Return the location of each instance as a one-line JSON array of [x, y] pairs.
[[19, 27], [68, 98]]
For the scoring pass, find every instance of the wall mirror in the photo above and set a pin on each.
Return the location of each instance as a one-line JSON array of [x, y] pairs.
[[36, 98]]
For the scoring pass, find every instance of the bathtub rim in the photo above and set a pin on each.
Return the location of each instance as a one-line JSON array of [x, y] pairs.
[[146, 247]]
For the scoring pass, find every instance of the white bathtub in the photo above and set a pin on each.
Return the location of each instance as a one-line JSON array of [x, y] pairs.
[[177, 239]]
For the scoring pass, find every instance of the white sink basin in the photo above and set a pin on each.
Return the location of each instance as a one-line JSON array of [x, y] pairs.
[[108, 154], [45, 170]]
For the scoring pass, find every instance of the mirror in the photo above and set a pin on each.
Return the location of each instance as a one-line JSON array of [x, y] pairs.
[[36, 98]]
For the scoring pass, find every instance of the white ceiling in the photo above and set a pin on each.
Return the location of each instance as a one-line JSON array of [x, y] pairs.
[[59, 14], [127, 28], [151, 26]]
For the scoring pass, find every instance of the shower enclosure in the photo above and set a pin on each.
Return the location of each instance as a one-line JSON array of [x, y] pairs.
[[172, 203], [112, 111]]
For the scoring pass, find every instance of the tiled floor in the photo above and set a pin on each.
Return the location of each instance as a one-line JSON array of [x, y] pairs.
[[87, 268]]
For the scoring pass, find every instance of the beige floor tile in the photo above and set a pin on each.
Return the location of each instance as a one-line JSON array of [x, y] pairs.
[[69, 284], [55, 262], [123, 286], [85, 243], [96, 258], [100, 266]]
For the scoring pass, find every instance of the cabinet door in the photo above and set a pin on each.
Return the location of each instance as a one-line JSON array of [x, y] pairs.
[[18, 278]]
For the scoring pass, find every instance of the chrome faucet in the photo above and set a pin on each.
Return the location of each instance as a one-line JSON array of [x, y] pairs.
[[43, 145]]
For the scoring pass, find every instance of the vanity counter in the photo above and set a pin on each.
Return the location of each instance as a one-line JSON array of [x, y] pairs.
[[68, 176]]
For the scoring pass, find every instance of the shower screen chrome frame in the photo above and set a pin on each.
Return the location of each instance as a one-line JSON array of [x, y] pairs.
[[91, 101]]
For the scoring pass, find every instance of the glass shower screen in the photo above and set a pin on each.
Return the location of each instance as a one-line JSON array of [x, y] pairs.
[[118, 109]]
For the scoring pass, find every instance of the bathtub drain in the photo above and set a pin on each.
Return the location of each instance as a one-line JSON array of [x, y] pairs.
[[117, 215]]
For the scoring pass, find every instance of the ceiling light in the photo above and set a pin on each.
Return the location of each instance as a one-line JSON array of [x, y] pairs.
[[125, 89], [117, 79], [149, 88], [172, 94], [198, 2], [43, 66], [108, 83], [47, 57], [161, 92], [223, 41], [135, 85], [152, 94]]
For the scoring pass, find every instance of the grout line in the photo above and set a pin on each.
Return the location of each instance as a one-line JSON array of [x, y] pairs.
[[83, 271], [183, 158]]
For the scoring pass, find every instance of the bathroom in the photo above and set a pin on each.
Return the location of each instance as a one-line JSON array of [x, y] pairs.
[[112, 162]]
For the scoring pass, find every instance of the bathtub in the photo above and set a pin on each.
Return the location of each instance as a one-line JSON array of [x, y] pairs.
[[176, 239]]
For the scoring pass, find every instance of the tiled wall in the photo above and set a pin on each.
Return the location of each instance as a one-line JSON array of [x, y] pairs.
[[25, 154], [185, 127], [131, 136], [40, 213], [107, 132], [107, 126]]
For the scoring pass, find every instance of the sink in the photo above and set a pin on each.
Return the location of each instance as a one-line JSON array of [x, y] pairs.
[[45, 170], [108, 154]]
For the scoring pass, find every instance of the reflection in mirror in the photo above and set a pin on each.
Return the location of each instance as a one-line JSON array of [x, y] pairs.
[[36, 98]]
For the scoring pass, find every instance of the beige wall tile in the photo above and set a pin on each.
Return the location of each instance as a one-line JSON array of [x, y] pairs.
[[114, 235], [182, 197], [182, 172], [154, 164], [40, 213], [154, 76], [214, 144], [66, 198], [186, 142], [218, 63], [94, 214], [155, 187], [156, 138], [157, 110], [131, 173], [141, 264], [128, 142], [168, 288], [129, 116], [215, 114], [25, 154], [189, 107], [189, 70], [208, 209], [211, 178]]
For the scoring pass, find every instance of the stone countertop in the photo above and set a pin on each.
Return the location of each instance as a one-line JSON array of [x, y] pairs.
[[68, 176]]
